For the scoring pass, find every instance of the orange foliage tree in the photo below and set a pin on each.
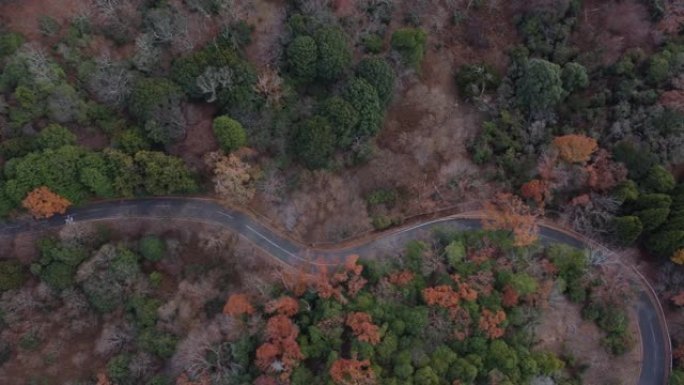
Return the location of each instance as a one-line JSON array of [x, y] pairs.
[[507, 212], [535, 189], [352, 372], [490, 321], [442, 295], [575, 148], [237, 305], [102, 379], [363, 328], [43, 203]]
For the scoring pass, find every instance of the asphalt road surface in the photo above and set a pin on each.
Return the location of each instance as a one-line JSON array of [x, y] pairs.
[[655, 365]]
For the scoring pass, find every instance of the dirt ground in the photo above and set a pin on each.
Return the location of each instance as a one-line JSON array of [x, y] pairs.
[[613, 27], [565, 332]]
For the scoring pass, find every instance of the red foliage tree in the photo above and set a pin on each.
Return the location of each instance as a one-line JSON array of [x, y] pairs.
[[43, 203], [349, 279], [237, 305], [678, 299], [266, 354], [352, 372], [510, 296], [442, 295], [490, 321], [280, 327], [400, 278], [265, 380], [280, 353], [673, 99], [286, 306], [575, 148], [603, 173], [466, 292], [363, 328]]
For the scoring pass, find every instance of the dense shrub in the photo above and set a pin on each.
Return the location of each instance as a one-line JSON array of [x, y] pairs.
[[364, 98], [152, 248], [540, 89], [229, 133], [343, 119], [378, 73], [627, 229], [334, 53], [302, 58], [313, 142], [574, 77]]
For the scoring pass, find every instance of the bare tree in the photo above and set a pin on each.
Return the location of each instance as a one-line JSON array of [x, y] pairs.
[[214, 79], [147, 53], [110, 82]]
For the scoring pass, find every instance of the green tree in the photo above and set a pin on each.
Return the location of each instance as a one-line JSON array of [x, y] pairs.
[[665, 243], [626, 191], [574, 77], [55, 136], [152, 248], [131, 141], [426, 376], [659, 180], [455, 253], [627, 229], [334, 54], [410, 43], [12, 275], [58, 275], [10, 42], [473, 80], [163, 174], [378, 73], [313, 142], [229, 133], [155, 102], [364, 98], [302, 56], [118, 369], [343, 119], [158, 343], [540, 88]]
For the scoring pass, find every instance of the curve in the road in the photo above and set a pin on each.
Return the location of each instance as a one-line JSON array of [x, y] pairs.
[[655, 339]]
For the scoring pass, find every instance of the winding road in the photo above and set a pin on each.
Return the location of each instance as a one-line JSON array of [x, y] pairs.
[[657, 358]]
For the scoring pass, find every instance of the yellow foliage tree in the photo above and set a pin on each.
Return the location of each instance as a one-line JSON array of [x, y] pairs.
[[43, 203], [678, 257], [233, 178]]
